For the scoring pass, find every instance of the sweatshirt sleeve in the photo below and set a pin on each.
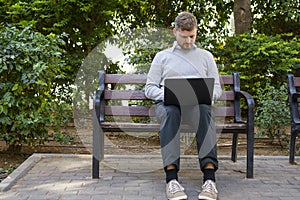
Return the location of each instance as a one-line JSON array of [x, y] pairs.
[[153, 88], [214, 72]]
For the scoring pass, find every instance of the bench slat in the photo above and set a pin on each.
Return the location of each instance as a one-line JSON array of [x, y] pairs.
[[226, 79], [140, 95], [297, 81], [141, 79], [125, 78], [124, 95], [144, 111], [142, 127]]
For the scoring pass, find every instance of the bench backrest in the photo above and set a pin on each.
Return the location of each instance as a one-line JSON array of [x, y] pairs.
[[123, 95]]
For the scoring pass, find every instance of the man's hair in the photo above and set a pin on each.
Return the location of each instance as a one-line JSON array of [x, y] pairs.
[[185, 21]]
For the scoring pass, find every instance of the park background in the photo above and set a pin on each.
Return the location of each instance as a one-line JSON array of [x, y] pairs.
[[44, 44]]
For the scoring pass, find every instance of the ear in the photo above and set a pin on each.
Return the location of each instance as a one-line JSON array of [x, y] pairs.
[[174, 31]]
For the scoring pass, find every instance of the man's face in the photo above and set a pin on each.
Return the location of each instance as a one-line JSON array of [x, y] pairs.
[[185, 39]]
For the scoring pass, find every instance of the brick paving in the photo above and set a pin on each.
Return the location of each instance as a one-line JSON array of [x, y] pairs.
[[63, 177]]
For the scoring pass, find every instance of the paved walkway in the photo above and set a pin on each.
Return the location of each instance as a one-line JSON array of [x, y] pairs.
[[61, 176]]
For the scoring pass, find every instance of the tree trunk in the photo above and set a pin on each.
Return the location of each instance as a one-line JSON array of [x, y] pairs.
[[242, 16]]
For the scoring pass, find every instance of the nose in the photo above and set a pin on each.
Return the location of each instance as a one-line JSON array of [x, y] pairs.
[[188, 40]]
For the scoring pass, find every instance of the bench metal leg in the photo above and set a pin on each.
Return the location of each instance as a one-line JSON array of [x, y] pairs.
[[234, 146], [292, 147], [98, 147], [250, 151], [95, 173]]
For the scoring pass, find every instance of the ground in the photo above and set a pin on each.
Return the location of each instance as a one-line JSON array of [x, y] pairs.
[[10, 160]]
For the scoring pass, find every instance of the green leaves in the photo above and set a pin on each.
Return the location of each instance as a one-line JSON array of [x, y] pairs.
[[30, 65], [272, 112], [31, 59], [260, 57], [276, 17], [263, 62]]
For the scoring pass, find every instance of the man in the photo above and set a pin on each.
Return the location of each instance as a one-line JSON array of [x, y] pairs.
[[184, 59]]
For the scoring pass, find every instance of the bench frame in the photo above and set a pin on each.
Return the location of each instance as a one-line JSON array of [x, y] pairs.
[[102, 109], [294, 100]]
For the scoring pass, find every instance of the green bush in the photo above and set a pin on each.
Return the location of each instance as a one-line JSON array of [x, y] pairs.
[[259, 58], [30, 65], [272, 112], [263, 62]]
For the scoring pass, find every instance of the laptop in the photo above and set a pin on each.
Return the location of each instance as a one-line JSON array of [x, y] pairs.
[[188, 91]]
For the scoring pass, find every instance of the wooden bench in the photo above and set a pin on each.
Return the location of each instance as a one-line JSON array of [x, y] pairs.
[[294, 100], [111, 91]]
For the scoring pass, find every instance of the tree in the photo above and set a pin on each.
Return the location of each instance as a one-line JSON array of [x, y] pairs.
[[242, 16]]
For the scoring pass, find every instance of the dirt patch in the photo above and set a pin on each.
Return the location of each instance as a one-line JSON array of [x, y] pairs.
[[262, 146]]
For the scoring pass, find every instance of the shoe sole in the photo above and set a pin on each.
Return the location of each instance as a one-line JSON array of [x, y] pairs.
[[205, 198], [179, 198]]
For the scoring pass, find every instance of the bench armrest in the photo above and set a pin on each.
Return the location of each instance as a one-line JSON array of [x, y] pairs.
[[237, 103], [97, 105], [99, 96], [295, 96], [250, 107], [293, 101]]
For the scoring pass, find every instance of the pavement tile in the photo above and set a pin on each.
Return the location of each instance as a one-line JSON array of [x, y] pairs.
[[65, 176]]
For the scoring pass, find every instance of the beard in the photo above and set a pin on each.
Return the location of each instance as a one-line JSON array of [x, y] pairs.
[[186, 46]]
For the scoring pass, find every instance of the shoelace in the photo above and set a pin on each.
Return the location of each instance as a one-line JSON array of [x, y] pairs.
[[174, 187], [209, 186]]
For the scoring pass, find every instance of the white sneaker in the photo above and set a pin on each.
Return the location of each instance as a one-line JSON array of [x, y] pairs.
[[209, 191], [175, 191]]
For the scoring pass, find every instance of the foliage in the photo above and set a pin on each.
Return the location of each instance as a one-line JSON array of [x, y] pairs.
[[154, 29], [86, 23], [7, 170], [212, 15], [259, 57], [142, 45], [272, 112], [276, 16], [89, 23], [271, 49], [31, 63]]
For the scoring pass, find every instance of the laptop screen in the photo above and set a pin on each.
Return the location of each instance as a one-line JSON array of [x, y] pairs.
[[188, 91]]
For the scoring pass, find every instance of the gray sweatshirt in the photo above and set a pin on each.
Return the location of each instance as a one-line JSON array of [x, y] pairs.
[[180, 63]]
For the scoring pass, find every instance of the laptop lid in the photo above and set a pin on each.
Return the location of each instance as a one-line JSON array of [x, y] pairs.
[[188, 91]]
